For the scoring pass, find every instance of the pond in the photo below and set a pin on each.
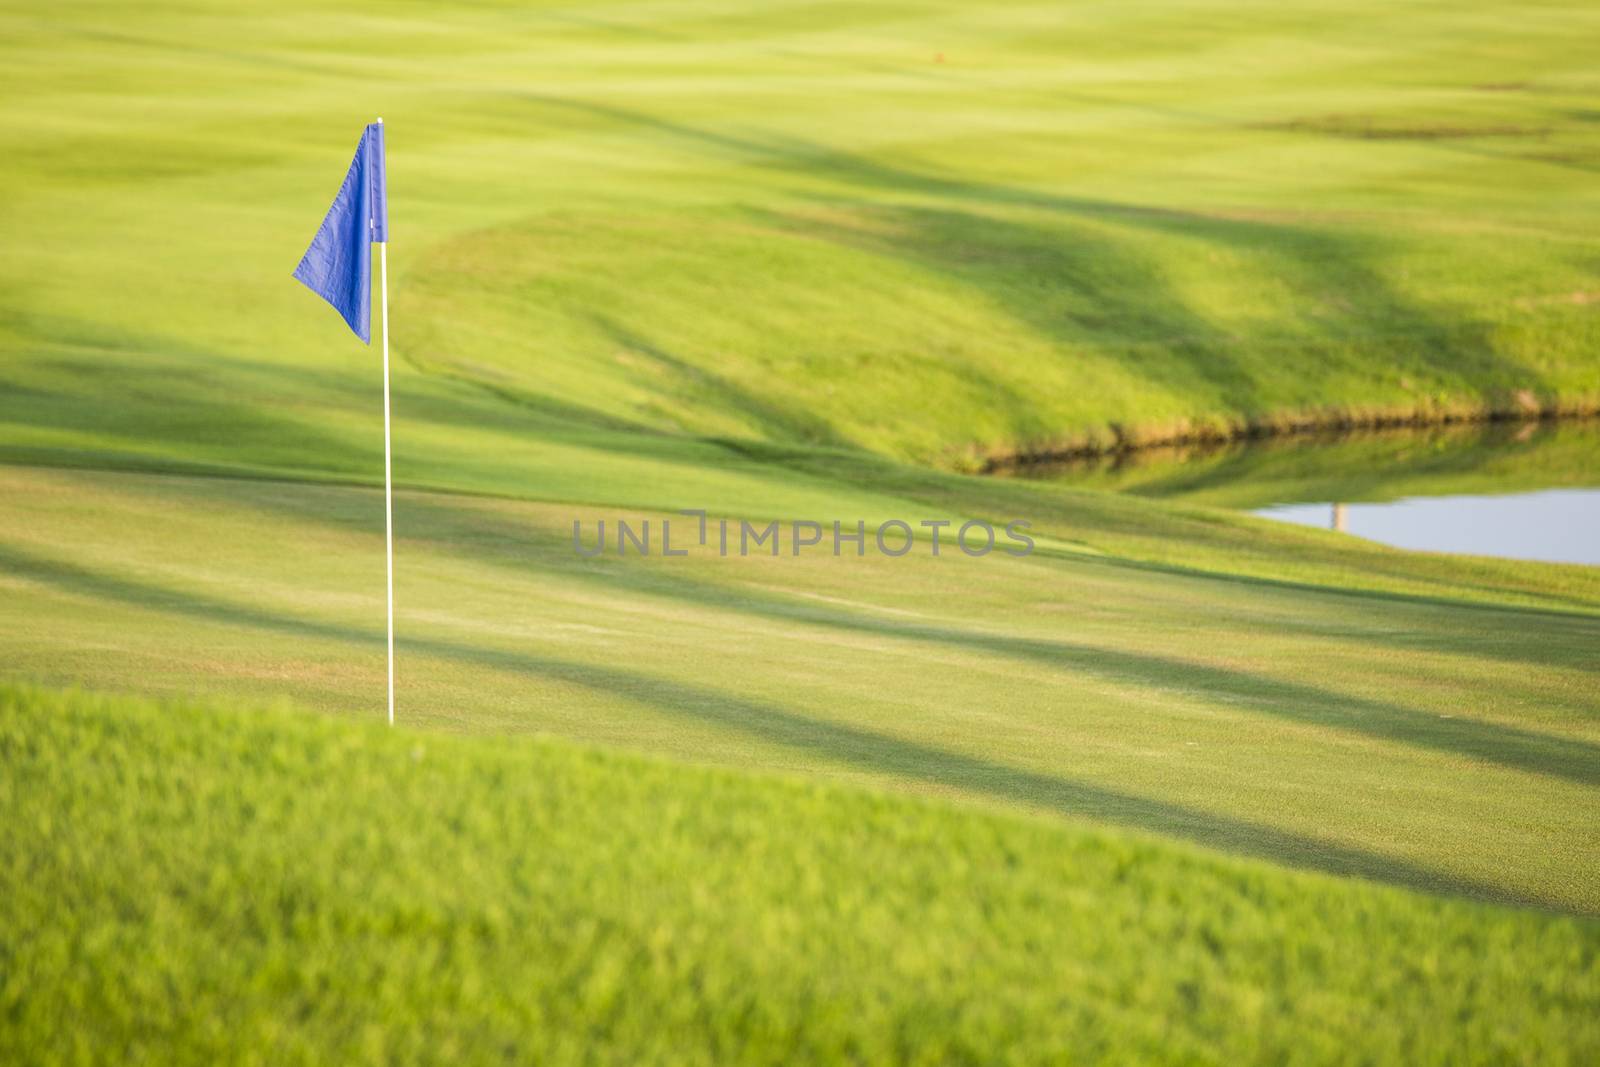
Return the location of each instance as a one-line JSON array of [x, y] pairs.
[[1521, 491]]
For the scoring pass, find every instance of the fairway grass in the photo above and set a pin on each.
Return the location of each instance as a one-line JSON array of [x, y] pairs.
[[1404, 733], [271, 888]]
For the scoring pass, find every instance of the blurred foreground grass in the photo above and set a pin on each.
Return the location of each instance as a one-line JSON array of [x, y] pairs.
[[277, 889]]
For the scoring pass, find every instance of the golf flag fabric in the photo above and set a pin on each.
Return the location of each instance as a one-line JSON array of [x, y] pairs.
[[338, 268], [338, 265]]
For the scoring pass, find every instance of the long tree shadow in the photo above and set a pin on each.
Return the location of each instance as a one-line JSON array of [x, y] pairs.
[[471, 533], [1076, 282], [691, 380], [449, 529], [1082, 281], [852, 745], [1070, 514], [1487, 742], [173, 395], [1325, 268]]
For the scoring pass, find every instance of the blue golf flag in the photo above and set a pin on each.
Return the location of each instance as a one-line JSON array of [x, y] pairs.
[[338, 265]]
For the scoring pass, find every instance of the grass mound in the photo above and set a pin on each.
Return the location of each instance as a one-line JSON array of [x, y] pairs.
[[976, 323], [942, 233], [185, 885]]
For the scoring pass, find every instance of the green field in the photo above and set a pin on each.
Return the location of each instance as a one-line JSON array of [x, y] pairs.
[[1182, 785]]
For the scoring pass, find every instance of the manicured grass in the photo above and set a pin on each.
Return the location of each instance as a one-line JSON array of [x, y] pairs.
[[1410, 737], [270, 888], [936, 231]]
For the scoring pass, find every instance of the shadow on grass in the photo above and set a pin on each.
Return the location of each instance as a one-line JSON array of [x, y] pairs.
[[852, 745], [1299, 702], [1511, 615], [1102, 520], [692, 381], [1072, 283], [469, 533]]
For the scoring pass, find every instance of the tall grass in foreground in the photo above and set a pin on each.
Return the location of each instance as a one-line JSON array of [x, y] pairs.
[[184, 885]]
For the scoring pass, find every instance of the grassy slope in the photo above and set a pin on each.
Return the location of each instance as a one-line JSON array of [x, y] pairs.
[[800, 225], [289, 890]]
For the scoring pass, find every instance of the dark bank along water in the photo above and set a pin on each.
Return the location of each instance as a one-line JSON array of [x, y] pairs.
[[1521, 491]]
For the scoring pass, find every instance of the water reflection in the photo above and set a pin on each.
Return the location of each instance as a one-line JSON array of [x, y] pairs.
[[1555, 525], [1525, 491]]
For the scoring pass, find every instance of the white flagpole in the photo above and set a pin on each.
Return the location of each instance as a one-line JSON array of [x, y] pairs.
[[388, 479]]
